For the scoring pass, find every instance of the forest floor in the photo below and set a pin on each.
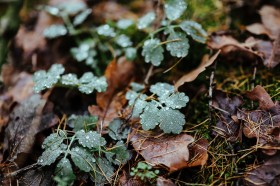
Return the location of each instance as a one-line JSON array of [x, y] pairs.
[[174, 92]]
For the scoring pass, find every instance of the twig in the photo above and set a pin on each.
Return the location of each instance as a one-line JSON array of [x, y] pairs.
[[15, 173], [149, 74], [211, 85], [253, 80]]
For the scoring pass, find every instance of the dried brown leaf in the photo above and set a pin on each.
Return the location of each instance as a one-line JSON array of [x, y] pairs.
[[226, 106], [259, 29], [271, 19], [161, 181], [171, 151], [194, 73], [263, 123], [259, 94], [118, 74], [267, 174]]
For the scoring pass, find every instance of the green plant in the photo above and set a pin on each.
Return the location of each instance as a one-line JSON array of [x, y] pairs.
[[85, 148], [144, 171], [53, 77], [160, 108]]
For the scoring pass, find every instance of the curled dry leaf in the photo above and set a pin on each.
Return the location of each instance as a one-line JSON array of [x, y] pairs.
[[227, 126], [267, 174], [269, 51], [118, 75], [263, 123], [231, 49], [171, 151], [194, 73], [259, 29]]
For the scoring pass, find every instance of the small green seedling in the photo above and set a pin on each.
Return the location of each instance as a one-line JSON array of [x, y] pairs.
[[144, 171]]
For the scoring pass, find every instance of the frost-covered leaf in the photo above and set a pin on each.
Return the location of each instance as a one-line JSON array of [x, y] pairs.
[[82, 122], [80, 18], [149, 118], [178, 45], [69, 79], [175, 100], [171, 121], [103, 171], [195, 30], [72, 8], [146, 20], [84, 51], [64, 170], [55, 31], [137, 87], [54, 140], [49, 156], [153, 51], [44, 80], [174, 8], [118, 154], [123, 41], [124, 23], [90, 139], [82, 158], [106, 30], [117, 131], [139, 106], [130, 53], [52, 10], [89, 83], [161, 89], [131, 97]]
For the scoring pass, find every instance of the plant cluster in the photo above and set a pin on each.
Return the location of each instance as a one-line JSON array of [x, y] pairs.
[[83, 147], [144, 171]]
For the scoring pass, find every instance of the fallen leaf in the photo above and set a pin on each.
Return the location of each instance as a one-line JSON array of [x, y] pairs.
[[161, 181], [271, 19], [26, 120], [226, 107], [267, 174], [259, 29], [194, 73], [259, 94], [263, 123], [118, 75], [231, 49], [127, 180], [18, 88], [269, 51], [104, 11], [171, 151]]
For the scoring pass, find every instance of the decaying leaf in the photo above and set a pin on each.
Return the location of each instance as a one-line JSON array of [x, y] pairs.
[[194, 73], [229, 45], [263, 123], [171, 151], [26, 121], [161, 181], [227, 126], [267, 174], [118, 75], [271, 19]]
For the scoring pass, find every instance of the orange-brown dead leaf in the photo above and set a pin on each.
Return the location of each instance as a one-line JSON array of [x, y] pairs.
[[118, 74]]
